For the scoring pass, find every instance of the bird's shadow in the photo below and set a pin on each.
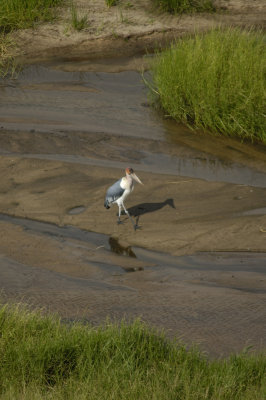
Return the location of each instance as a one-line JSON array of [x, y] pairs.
[[144, 208]]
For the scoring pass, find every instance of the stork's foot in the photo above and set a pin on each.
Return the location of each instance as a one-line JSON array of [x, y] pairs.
[[119, 222], [136, 226]]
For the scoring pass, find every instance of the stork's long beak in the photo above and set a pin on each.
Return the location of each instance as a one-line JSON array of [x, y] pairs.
[[134, 176]]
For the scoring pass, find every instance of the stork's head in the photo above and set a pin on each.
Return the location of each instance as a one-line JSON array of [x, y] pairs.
[[129, 171]]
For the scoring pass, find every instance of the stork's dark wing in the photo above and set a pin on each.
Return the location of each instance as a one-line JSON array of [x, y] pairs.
[[113, 193]]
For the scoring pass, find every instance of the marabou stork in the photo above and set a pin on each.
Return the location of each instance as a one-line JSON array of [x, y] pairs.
[[118, 192]]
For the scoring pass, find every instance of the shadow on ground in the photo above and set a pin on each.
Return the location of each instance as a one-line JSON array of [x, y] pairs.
[[144, 208]]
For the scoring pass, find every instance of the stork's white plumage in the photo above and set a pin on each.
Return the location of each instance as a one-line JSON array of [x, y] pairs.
[[118, 192]]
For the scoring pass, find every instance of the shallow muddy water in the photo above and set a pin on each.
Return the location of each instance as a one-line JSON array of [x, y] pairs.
[[206, 297], [49, 100], [64, 137]]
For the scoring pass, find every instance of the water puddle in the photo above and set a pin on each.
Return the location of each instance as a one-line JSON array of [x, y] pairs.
[[60, 232], [208, 261], [117, 248], [206, 297], [208, 169], [211, 261], [63, 103], [76, 210], [46, 99], [256, 211]]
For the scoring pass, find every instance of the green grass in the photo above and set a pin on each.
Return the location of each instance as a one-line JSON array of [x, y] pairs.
[[77, 22], [185, 6], [41, 358], [216, 82], [111, 3], [7, 64], [18, 14]]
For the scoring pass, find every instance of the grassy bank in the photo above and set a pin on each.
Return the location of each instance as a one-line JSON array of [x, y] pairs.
[[43, 358], [17, 14], [215, 81]]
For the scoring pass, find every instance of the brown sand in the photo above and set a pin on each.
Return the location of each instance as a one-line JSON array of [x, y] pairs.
[[216, 298]]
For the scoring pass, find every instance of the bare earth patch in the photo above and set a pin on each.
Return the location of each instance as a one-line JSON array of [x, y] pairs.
[[208, 216], [126, 29]]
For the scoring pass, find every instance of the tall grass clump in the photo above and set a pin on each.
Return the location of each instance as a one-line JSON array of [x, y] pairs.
[[78, 22], [185, 6], [215, 81], [18, 14], [7, 63], [42, 358], [111, 3]]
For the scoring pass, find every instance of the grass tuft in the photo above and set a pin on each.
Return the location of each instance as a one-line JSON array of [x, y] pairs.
[[111, 3], [42, 358], [78, 23], [185, 6], [7, 63], [215, 81], [19, 14]]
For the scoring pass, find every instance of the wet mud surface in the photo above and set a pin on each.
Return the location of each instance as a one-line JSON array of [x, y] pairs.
[[196, 267], [207, 298], [105, 119]]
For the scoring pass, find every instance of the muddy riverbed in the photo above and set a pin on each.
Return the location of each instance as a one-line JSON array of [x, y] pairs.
[[196, 267]]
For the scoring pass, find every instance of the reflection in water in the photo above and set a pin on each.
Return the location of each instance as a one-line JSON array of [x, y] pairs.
[[210, 261], [117, 248]]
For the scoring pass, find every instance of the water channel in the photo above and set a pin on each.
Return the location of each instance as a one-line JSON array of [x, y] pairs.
[[47, 99]]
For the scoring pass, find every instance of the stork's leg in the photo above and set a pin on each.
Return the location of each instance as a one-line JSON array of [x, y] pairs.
[[134, 225], [119, 213]]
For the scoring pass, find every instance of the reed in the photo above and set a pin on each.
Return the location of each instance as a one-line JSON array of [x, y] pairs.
[[215, 82]]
